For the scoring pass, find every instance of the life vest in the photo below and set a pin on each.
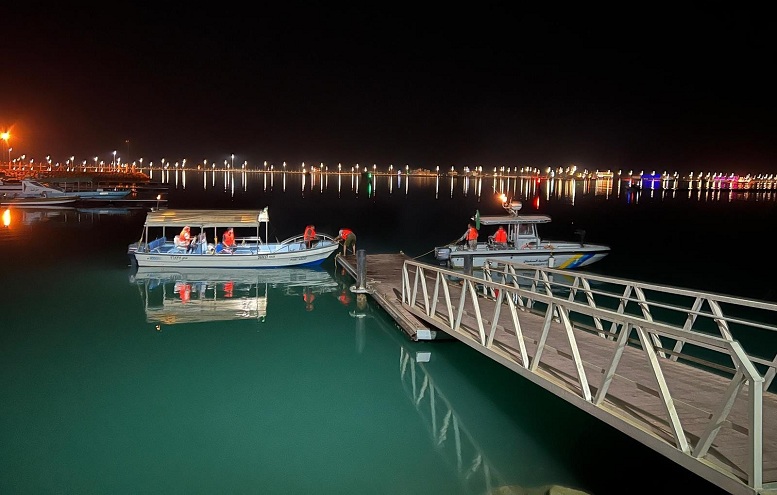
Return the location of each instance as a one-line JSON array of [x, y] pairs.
[[472, 234], [228, 239], [185, 235], [310, 233], [500, 236], [346, 233]]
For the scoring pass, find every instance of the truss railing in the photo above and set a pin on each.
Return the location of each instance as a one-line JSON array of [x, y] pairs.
[[656, 324]]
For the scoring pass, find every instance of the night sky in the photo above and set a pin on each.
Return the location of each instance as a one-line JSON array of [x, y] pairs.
[[490, 84]]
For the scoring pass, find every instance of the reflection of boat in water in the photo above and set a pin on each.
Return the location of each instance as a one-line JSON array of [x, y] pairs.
[[193, 295], [13, 217]]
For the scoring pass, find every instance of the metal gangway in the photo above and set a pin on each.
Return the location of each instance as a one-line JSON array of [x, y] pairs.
[[685, 372]]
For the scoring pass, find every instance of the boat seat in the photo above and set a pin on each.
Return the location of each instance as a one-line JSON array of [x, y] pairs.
[[495, 245]]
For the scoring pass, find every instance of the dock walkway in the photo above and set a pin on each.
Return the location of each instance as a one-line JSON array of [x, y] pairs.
[[384, 280], [683, 385]]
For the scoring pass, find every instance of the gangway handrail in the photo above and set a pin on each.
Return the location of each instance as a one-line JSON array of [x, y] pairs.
[[459, 308], [691, 314]]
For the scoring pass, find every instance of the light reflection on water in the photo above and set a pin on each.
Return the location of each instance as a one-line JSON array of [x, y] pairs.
[[333, 398], [525, 188]]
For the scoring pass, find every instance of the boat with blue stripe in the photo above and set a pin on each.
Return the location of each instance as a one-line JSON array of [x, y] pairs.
[[524, 245]]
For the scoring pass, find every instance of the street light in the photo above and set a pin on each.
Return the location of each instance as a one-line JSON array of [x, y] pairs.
[[233, 161], [113, 164], [5, 136]]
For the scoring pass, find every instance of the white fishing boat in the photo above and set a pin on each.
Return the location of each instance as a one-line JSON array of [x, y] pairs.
[[160, 244], [523, 244]]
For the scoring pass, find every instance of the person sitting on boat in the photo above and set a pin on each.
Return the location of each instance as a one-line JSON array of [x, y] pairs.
[[470, 236], [228, 241], [348, 238], [184, 239], [500, 238], [310, 236]]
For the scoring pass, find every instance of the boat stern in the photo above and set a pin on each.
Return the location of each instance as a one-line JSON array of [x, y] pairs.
[[443, 254]]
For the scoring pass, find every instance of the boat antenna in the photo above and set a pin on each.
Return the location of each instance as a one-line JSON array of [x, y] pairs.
[[512, 206]]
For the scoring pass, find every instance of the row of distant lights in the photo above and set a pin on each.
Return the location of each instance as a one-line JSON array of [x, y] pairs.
[[572, 170]]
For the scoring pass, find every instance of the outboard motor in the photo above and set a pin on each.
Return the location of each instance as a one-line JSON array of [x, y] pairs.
[[581, 233], [442, 254]]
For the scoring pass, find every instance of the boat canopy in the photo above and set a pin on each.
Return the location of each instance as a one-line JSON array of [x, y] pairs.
[[514, 219], [206, 218]]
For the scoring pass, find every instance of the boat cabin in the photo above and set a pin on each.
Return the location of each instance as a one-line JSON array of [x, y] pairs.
[[521, 229]]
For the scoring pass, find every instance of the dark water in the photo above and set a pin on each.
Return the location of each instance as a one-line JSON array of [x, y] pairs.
[[114, 385]]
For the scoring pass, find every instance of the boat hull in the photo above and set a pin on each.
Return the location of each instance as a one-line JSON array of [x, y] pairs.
[[266, 257], [569, 256], [156, 249], [20, 202]]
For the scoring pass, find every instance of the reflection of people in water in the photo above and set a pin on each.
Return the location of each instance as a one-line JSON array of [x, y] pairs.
[[308, 297], [228, 288], [344, 298], [184, 291], [361, 301]]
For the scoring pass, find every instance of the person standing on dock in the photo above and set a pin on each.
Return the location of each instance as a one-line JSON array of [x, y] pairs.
[[310, 236], [348, 238], [470, 236]]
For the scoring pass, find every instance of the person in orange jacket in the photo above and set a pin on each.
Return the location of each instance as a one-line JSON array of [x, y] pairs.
[[348, 238], [310, 236], [185, 238], [228, 240], [500, 237], [470, 236]]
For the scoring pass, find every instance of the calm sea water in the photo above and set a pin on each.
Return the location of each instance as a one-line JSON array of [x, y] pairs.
[[116, 383]]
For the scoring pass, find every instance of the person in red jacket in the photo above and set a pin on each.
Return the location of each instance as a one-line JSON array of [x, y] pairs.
[[310, 236], [471, 237], [228, 240], [348, 239], [500, 237]]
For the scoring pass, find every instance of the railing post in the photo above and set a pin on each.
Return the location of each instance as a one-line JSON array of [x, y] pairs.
[[467, 264]]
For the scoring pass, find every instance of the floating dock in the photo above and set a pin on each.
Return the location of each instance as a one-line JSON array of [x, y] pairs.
[[384, 284]]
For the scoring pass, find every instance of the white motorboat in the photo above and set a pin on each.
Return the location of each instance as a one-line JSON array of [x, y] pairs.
[[31, 188], [9, 187], [524, 244], [160, 246], [36, 202]]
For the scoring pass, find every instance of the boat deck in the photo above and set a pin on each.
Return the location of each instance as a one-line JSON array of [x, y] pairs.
[[384, 282]]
